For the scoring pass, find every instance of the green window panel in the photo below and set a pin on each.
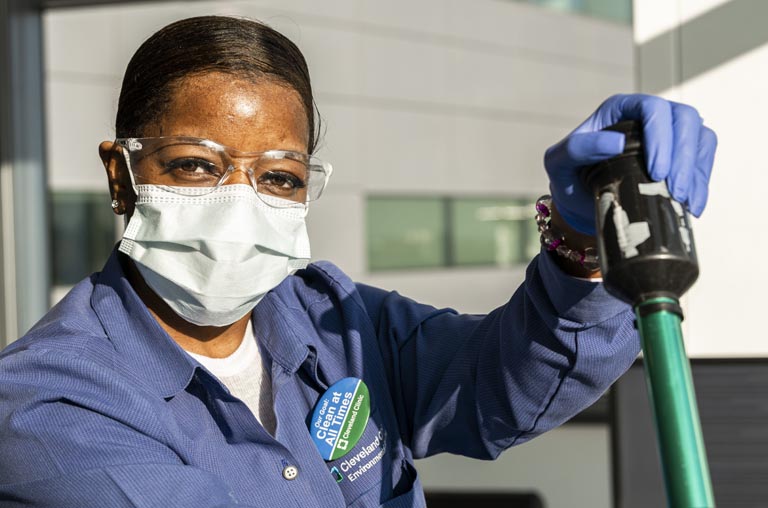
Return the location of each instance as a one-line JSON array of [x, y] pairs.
[[491, 231], [437, 232], [83, 235], [405, 232], [613, 10]]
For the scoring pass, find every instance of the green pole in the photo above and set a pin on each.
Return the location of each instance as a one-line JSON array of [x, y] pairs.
[[670, 386]]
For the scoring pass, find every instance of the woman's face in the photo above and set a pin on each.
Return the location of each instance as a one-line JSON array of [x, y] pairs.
[[228, 110]]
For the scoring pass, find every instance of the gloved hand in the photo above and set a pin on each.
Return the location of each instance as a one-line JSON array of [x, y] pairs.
[[678, 149]]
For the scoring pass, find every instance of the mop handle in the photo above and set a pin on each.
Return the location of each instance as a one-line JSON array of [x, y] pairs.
[[670, 386]]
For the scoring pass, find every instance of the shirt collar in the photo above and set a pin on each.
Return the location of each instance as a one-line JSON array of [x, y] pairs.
[[285, 331], [152, 355], [143, 345]]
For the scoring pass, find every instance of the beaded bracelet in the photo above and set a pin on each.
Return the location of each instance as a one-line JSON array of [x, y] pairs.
[[553, 240]]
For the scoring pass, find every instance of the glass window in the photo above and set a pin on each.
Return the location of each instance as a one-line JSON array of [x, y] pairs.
[[613, 10], [83, 235], [491, 231], [412, 232], [405, 232]]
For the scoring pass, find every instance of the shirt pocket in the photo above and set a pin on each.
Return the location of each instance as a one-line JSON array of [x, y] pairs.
[[364, 474], [410, 492]]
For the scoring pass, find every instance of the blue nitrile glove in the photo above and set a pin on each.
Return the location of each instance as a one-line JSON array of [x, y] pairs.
[[678, 149]]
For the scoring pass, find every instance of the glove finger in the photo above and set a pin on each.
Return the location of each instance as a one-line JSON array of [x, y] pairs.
[[584, 148], [699, 199], [655, 114], [704, 163], [658, 135], [686, 132]]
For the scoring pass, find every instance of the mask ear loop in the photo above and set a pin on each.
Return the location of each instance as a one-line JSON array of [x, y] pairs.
[[125, 151], [127, 156]]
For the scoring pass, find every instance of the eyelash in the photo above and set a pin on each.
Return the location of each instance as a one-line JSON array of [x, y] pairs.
[[199, 163], [209, 169], [296, 182]]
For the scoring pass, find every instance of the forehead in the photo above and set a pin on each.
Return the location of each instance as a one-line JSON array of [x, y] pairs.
[[246, 114]]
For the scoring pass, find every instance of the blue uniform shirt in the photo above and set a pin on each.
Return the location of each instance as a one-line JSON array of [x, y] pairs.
[[99, 407]]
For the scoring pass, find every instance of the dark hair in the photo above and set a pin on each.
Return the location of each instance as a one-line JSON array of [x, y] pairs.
[[237, 46]]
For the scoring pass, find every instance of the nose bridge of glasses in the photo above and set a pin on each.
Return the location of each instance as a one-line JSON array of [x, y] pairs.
[[244, 161], [239, 172], [247, 163]]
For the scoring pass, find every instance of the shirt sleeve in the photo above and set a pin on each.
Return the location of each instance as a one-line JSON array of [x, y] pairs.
[[476, 385], [71, 447]]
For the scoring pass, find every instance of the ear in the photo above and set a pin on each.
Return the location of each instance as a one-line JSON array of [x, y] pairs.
[[119, 178]]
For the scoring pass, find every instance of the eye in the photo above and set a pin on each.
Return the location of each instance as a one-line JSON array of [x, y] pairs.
[[193, 166], [280, 183]]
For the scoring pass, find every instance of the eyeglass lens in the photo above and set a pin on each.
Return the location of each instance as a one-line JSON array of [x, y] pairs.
[[287, 175]]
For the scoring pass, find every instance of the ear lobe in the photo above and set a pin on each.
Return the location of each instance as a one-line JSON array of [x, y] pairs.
[[118, 177]]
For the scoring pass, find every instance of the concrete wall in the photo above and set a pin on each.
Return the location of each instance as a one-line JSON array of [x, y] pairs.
[[451, 97], [713, 54]]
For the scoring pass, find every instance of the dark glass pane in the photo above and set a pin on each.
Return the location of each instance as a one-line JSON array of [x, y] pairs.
[[83, 235]]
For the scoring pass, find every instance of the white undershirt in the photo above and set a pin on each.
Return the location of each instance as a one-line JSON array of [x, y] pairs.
[[244, 375]]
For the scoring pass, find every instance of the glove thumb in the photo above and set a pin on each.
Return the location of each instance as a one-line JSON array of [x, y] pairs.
[[583, 148]]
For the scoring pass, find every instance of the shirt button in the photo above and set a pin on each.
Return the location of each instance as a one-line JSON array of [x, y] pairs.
[[290, 472]]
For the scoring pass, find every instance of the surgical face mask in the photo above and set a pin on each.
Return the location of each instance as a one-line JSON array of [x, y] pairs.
[[213, 257]]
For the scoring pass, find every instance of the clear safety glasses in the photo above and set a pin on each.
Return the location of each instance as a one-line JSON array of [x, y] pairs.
[[194, 166]]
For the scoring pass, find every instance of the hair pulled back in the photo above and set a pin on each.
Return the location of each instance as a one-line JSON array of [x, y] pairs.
[[242, 47]]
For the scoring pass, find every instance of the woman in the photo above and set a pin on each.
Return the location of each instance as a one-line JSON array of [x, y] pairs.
[[200, 368]]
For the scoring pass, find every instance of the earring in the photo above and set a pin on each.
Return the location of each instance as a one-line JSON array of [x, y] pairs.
[[115, 204]]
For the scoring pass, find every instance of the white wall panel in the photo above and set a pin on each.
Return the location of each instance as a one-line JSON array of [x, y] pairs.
[[580, 480], [133, 23], [467, 290], [80, 41], [651, 18], [342, 212], [723, 307], [406, 152], [578, 40], [427, 72], [345, 126], [501, 156], [495, 25], [80, 116], [690, 9], [394, 151]]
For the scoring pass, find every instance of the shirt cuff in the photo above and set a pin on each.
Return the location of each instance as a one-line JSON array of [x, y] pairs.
[[576, 299]]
